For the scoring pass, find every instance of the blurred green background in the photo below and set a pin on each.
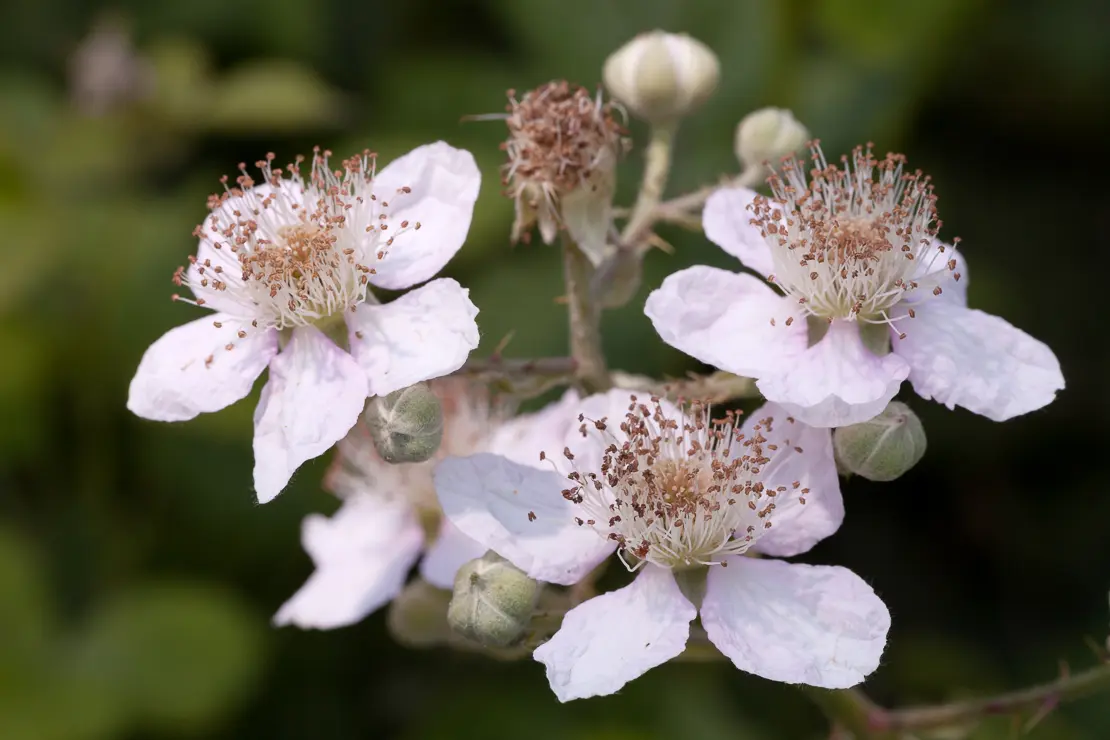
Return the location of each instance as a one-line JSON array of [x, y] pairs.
[[137, 576]]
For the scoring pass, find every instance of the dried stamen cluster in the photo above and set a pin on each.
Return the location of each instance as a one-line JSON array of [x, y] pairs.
[[677, 488], [849, 245], [561, 138]]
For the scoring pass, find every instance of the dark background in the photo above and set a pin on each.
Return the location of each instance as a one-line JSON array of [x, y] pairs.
[[137, 575]]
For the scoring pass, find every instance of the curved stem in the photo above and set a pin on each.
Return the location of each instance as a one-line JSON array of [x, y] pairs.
[[656, 169], [591, 375], [1043, 697], [854, 711]]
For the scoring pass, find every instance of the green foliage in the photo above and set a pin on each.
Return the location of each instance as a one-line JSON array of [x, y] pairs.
[[141, 608]]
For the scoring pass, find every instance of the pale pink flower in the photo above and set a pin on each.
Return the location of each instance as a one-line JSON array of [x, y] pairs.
[[390, 516], [849, 252], [669, 491], [277, 258]]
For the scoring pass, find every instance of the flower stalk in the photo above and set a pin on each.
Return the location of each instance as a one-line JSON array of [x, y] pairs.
[[657, 168], [592, 375]]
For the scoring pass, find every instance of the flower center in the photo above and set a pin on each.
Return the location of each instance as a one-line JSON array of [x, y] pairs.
[[291, 251], [849, 244], [678, 489]]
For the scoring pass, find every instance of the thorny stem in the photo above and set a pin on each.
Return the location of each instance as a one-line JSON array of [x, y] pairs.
[[497, 366], [591, 376], [656, 169], [679, 210], [852, 710]]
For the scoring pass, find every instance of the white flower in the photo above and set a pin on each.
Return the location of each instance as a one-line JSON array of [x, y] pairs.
[[854, 257], [671, 491], [277, 258], [390, 515]]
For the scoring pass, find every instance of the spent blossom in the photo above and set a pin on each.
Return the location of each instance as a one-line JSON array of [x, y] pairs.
[[678, 497], [868, 296], [563, 147], [283, 260], [390, 516]]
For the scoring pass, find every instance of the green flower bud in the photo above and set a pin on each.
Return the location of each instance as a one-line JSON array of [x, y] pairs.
[[768, 134], [660, 77], [882, 448], [418, 615], [493, 601], [407, 425]]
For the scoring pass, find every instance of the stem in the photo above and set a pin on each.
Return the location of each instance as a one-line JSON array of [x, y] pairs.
[[678, 210], [498, 366], [852, 709], [656, 169], [1065, 688], [592, 376]]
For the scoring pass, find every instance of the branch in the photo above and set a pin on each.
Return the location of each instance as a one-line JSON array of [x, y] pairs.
[[1065, 688], [854, 711], [591, 374]]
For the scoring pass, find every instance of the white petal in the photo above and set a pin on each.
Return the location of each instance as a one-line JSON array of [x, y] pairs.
[[444, 183], [451, 550], [424, 334], [611, 639], [727, 221], [519, 512], [314, 396], [524, 437], [812, 624], [725, 319], [363, 554], [934, 271], [964, 357], [837, 381], [803, 460], [190, 371]]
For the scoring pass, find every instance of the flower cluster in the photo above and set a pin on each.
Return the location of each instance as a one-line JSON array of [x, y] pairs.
[[856, 292]]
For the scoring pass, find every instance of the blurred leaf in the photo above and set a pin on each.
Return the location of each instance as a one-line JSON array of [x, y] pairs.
[[182, 73], [24, 617], [174, 654], [879, 31], [272, 96]]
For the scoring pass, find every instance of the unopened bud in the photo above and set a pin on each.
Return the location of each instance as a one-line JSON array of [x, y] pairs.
[[418, 615], [493, 601], [406, 425], [768, 134], [882, 448], [662, 76]]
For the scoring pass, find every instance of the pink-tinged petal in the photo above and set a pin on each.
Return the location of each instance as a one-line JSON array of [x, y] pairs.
[[314, 396], [519, 512], [812, 624], [426, 333], [837, 381], [727, 220], [451, 550], [587, 440], [803, 465], [611, 639], [444, 183], [363, 555], [940, 267], [965, 357], [524, 437], [190, 370], [731, 321]]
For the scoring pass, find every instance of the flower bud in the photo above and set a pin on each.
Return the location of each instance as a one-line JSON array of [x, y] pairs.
[[418, 615], [882, 448], [768, 134], [493, 601], [662, 76], [406, 425]]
